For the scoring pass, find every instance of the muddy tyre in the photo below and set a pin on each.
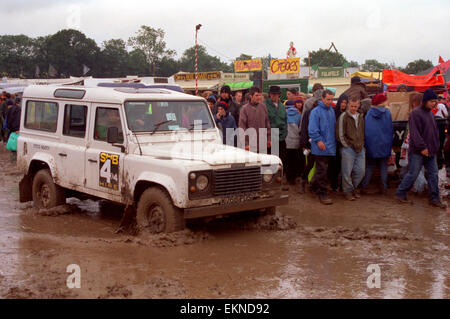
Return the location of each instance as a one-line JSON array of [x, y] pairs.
[[46, 194], [156, 213], [270, 210]]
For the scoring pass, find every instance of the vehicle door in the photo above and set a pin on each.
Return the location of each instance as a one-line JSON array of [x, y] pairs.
[[104, 161], [72, 149]]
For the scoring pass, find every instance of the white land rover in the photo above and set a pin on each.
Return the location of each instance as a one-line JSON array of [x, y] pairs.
[[155, 151]]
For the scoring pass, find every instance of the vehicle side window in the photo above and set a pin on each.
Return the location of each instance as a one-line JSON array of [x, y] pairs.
[[41, 116], [75, 120], [104, 118]]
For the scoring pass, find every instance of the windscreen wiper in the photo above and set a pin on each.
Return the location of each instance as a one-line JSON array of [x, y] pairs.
[[157, 125]]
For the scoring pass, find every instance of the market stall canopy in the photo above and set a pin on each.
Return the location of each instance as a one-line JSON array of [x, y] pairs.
[[236, 86], [202, 85], [437, 78], [369, 75]]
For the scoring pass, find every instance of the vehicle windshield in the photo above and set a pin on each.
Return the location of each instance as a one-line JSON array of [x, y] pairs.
[[151, 116]]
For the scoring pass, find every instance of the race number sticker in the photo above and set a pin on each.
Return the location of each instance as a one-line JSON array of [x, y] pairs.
[[109, 171]]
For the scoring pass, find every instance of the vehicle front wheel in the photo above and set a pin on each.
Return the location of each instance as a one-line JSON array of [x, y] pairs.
[[156, 213], [46, 194]]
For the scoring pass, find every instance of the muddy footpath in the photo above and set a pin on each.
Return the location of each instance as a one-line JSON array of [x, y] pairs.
[[306, 250]]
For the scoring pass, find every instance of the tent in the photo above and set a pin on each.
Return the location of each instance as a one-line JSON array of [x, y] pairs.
[[236, 86], [437, 78], [369, 75]]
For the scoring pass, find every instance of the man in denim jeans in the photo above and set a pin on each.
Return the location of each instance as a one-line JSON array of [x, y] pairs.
[[350, 134], [423, 149], [378, 135]]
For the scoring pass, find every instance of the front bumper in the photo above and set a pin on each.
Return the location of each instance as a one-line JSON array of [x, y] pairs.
[[220, 209]]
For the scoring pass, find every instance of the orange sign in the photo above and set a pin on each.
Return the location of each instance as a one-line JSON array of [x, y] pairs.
[[285, 66], [248, 65]]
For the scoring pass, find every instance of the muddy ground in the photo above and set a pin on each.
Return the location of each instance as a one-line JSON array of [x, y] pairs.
[[306, 251]]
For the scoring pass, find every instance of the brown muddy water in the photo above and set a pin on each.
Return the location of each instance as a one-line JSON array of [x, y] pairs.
[[306, 251]]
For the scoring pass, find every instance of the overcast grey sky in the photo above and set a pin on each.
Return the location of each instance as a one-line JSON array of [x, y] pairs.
[[389, 31]]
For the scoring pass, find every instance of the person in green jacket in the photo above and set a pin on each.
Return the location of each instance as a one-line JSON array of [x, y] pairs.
[[278, 119]]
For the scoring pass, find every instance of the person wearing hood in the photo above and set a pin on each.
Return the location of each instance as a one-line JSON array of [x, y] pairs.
[[225, 96], [334, 169], [295, 161], [423, 149], [321, 129], [225, 121], [341, 105], [379, 133], [357, 88]]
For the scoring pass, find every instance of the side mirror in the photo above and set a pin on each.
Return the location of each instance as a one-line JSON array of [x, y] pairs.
[[112, 135]]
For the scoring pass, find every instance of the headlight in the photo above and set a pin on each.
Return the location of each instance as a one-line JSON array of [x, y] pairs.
[[267, 176], [202, 182]]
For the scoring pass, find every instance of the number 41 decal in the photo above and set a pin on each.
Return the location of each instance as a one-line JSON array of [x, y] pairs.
[[109, 171]]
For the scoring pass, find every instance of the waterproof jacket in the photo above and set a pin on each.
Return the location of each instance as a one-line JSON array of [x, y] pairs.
[[232, 108], [277, 117], [224, 123], [293, 122], [423, 131], [254, 116], [379, 132], [348, 134], [13, 118], [322, 128], [304, 135]]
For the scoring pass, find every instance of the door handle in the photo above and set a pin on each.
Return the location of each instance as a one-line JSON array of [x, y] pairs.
[[92, 161], [62, 154]]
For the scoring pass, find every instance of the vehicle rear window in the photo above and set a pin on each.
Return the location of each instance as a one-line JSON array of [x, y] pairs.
[[41, 115], [75, 120]]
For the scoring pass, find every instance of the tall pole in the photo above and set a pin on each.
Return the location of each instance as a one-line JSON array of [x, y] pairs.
[[197, 27]]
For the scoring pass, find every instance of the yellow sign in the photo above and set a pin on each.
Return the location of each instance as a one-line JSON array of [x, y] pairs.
[[248, 65], [201, 76], [285, 66]]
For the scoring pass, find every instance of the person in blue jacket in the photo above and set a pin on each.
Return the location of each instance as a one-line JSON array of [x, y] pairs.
[[321, 129], [225, 121], [379, 135]]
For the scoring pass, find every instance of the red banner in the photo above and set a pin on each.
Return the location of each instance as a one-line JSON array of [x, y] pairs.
[[397, 77]]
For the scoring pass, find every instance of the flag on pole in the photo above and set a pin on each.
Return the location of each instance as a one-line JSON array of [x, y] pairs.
[[441, 60], [52, 71], [85, 69], [37, 71]]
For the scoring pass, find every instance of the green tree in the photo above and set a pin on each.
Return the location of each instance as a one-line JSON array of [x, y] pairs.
[[151, 42], [353, 64], [326, 58], [417, 66], [113, 58], [137, 63], [17, 55], [243, 57], [168, 67], [69, 49], [372, 65], [206, 62]]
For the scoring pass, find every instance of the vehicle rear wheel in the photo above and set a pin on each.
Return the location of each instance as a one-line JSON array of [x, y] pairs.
[[270, 211], [46, 194], [156, 213]]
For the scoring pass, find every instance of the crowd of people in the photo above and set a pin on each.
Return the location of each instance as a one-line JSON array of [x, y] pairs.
[[324, 146], [10, 111], [335, 147]]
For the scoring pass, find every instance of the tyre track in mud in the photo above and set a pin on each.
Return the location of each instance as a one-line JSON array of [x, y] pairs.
[[305, 251]]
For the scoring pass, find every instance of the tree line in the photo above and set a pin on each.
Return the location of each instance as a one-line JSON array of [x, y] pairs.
[[70, 52]]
